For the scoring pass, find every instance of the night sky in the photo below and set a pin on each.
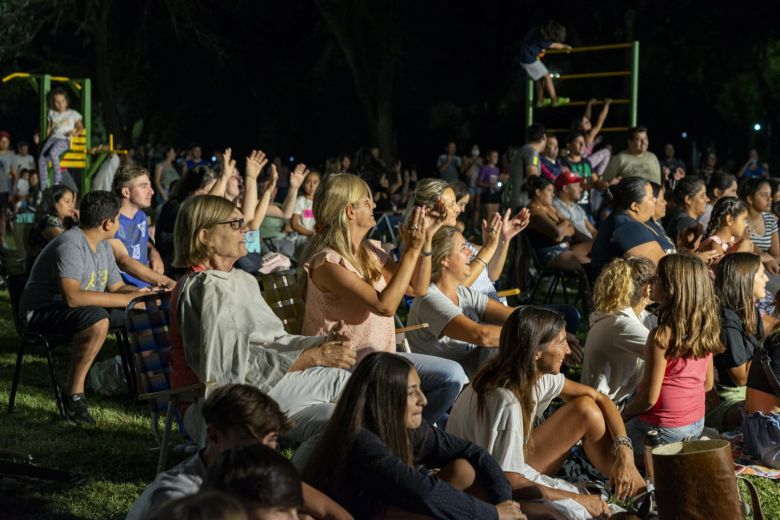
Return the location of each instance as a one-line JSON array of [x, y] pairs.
[[273, 74]]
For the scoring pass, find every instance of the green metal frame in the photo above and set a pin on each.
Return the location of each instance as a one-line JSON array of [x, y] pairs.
[[634, 75]]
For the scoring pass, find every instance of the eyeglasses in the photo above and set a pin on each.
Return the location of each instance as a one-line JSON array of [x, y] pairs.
[[234, 224]]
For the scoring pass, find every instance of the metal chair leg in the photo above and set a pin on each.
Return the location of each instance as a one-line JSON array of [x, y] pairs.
[[55, 384], [166, 436], [17, 376]]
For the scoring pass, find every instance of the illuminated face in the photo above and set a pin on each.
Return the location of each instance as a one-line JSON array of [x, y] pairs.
[[363, 214], [139, 191], [458, 261], [759, 283], [576, 146], [310, 184], [60, 102], [545, 196], [551, 355], [551, 149], [761, 200], [660, 205], [453, 209], [739, 225], [698, 202], [415, 401], [65, 205], [226, 242], [638, 144]]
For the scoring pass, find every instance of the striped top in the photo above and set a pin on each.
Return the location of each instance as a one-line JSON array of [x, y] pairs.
[[763, 242]]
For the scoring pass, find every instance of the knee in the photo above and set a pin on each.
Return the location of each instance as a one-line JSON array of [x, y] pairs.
[[98, 329], [459, 473], [588, 410]]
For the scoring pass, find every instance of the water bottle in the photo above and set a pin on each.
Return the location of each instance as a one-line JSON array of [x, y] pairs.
[[652, 440]]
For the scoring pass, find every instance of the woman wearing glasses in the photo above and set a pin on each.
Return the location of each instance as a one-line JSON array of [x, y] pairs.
[[222, 330]]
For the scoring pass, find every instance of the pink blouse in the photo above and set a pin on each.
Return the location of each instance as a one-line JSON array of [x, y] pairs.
[[325, 309]]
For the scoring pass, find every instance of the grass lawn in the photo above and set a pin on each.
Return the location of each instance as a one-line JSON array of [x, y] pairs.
[[118, 453]]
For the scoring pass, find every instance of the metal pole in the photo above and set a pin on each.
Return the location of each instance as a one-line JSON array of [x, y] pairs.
[[634, 81], [86, 113], [529, 104], [590, 48], [44, 86]]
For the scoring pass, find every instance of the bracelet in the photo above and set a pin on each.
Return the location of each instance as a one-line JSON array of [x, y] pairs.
[[426, 253], [621, 441], [481, 261]]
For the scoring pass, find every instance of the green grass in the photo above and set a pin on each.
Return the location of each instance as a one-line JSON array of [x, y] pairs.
[[118, 453]]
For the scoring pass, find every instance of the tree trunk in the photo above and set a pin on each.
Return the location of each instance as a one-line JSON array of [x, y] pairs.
[[100, 32]]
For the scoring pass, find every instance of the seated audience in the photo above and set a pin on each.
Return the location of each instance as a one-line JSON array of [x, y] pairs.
[[740, 283], [138, 259], [197, 181], [75, 289], [303, 219], [619, 326], [690, 196], [369, 454], [626, 231], [568, 192], [56, 214], [550, 233], [635, 161], [668, 245], [581, 167], [721, 184], [726, 232], [509, 396], [761, 422], [352, 279], [550, 162], [222, 330], [464, 324], [234, 415], [678, 356], [757, 194], [265, 482]]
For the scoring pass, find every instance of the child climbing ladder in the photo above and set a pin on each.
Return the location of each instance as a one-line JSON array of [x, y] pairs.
[[551, 35]]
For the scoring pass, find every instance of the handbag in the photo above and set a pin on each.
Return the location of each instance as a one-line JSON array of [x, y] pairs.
[[695, 480]]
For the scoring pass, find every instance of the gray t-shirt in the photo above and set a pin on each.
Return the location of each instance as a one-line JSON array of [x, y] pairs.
[[7, 161], [576, 214], [437, 310], [68, 256], [179, 481], [452, 173], [626, 165], [516, 195]]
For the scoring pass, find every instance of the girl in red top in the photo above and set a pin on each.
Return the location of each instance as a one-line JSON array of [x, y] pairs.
[[678, 355]]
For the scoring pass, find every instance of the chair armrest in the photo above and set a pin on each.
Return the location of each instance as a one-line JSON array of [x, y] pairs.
[[508, 292], [419, 326], [174, 392]]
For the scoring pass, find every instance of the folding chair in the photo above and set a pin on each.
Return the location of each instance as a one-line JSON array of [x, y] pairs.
[[147, 320], [555, 278], [283, 294]]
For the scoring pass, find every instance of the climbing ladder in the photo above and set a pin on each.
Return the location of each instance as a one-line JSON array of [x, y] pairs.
[[632, 74]]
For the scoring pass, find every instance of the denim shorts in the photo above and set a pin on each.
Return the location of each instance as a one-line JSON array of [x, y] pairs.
[[637, 430], [546, 254]]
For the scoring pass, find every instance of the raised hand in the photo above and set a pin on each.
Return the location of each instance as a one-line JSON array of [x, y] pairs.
[[298, 175], [255, 164], [413, 232], [226, 158], [491, 231], [511, 228]]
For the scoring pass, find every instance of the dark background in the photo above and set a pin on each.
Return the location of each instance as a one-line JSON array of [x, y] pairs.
[[316, 78]]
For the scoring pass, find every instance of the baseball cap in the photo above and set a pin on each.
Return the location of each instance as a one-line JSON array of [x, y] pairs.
[[565, 178], [4, 133]]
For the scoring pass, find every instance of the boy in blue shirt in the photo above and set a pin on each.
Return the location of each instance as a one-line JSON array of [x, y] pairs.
[[551, 35], [139, 261]]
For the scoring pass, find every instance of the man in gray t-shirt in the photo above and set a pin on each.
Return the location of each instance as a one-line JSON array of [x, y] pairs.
[[72, 283], [524, 165], [448, 164]]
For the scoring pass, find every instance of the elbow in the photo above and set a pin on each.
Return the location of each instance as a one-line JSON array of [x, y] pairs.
[[484, 337], [385, 311]]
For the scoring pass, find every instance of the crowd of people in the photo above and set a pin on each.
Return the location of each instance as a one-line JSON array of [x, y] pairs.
[[685, 267]]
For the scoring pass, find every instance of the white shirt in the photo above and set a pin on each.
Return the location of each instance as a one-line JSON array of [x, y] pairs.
[[614, 351], [63, 122]]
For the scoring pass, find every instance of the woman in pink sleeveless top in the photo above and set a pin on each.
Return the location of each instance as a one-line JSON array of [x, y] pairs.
[[352, 279], [678, 355]]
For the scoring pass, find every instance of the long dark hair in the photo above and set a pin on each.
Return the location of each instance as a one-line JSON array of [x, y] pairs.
[[192, 181], [626, 192], [734, 285], [50, 197], [514, 368], [375, 399]]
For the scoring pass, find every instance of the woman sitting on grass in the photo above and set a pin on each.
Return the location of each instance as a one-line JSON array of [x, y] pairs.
[[368, 457], [508, 397], [678, 355], [740, 282], [619, 325]]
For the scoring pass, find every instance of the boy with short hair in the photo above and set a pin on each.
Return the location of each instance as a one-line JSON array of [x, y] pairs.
[[75, 289], [551, 35], [133, 250]]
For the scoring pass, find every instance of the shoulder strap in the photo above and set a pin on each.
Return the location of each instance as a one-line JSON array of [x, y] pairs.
[[758, 513]]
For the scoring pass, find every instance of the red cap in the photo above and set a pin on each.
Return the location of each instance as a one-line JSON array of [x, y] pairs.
[[565, 178], [3, 133]]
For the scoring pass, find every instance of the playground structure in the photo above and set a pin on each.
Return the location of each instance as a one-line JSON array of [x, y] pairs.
[[80, 154], [632, 74]]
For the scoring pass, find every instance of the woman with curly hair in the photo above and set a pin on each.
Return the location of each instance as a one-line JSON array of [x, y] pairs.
[[619, 325]]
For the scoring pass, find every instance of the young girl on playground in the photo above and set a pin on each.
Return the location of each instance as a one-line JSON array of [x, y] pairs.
[[63, 122], [678, 356]]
